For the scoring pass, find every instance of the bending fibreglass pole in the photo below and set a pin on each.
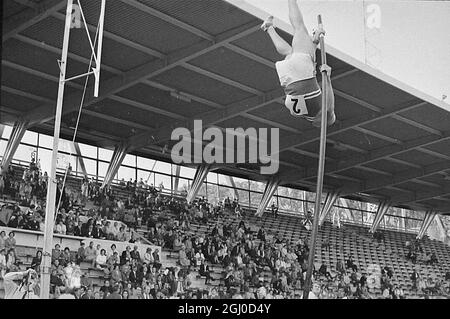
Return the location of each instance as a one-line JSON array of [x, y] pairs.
[[321, 167]]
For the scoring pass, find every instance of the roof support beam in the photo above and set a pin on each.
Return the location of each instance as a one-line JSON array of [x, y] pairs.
[[330, 200], [233, 184], [16, 136], [269, 191], [110, 118], [421, 126], [117, 158], [199, 177], [80, 159], [382, 209], [378, 135], [433, 153], [429, 218], [177, 177], [30, 16], [402, 162], [419, 181]]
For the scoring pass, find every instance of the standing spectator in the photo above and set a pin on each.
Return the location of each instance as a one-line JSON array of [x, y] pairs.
[[415, 277], [274, 209], [3, 239], [10, 242], [2, 262], [135, 254]]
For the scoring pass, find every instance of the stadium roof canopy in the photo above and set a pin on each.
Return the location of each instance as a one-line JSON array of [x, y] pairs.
[[168, 62]]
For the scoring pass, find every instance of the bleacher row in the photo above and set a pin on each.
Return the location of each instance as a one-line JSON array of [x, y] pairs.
[[348, 240]]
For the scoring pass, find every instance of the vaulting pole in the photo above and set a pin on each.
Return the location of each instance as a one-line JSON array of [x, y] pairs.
[[321, 167], [51, 185]]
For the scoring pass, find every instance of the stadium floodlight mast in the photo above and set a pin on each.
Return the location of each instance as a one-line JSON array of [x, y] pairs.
[[74, 15]]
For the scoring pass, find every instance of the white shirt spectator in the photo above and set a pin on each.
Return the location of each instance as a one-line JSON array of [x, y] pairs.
[[148, 258], [199, 257], [101, 259], [60, 229]]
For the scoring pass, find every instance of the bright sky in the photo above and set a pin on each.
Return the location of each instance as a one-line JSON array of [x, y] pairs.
[[412, 44]]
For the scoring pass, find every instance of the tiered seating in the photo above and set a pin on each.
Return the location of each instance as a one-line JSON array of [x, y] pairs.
[[349, 240]]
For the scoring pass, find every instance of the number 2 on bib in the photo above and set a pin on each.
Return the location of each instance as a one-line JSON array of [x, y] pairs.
[[296, 105]]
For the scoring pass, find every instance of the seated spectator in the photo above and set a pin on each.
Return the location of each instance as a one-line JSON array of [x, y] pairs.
[[204, 271], [60, 228], [36, 262], [115, 293], [77, 231], [126, 255], [182, 257], [433, 259], [56, 252], [81, 253], [148, 257], [55, 279], [326, 245], [324, 272], [106, 289], [86, 293], [90, 253], [100, 260], [66, 257]]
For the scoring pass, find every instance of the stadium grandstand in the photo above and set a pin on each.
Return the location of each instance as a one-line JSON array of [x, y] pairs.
[[132, 223]]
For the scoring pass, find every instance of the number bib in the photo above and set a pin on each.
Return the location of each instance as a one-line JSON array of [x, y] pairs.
[[296, 105]]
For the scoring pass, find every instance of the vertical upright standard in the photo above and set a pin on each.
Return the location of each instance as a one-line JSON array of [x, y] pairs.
[[52, 183], [321, 168]]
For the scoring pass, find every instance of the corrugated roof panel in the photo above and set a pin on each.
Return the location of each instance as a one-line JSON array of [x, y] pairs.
[[202, 86], [217, 16], [162, 99], [127, 112], [236, 67], [17, 102], [124, 20], [119, 56], [31, 84]]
